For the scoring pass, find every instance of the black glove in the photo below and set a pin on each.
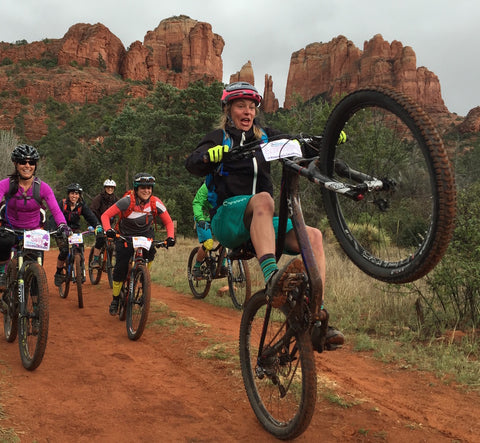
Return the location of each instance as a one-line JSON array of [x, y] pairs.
[[65, 230], [202, 224], [111, 233], [170, 241]]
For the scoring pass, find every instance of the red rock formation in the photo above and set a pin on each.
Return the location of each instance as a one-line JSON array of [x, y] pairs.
[[244, 75], [179, 51], [270, 103], [340, 67], [92, 45], [471, 122]]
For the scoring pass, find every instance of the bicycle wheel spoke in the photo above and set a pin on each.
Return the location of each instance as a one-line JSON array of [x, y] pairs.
[[399, 231], [278, 369], [138, 304]]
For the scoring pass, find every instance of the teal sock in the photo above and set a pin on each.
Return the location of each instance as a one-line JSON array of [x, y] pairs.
[[268, 265], [2, 268], [197, 264]]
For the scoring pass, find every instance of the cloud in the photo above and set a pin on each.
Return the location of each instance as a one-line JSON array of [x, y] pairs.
[[441, 32]]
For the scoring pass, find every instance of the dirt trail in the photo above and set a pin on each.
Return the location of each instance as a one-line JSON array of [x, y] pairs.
[[96, 385]]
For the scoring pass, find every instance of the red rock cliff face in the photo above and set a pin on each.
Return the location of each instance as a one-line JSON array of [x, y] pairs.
[[340, 67], [92, 45], [179, 51]]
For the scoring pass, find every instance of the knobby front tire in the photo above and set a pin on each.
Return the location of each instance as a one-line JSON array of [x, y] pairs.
[[10, 318], [239, 283], [199, 287], [138, 303], [399, 234], [64, 288], [95, 274], [33, 326], [281, 386], [79, 276]]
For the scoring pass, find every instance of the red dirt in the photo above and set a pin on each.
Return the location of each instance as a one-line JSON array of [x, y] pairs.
[[96, 385]]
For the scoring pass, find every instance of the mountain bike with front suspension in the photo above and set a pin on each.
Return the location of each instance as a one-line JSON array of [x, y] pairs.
[[219, 263], [74, 269], [106, 261], [24, 302], [135, 294], [389, 196]]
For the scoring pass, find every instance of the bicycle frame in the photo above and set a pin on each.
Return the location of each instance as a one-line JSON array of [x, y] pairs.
[[75, 246], [290, 207], [25, 299]]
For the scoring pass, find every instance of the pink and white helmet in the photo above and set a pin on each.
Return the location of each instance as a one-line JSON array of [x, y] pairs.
[[238, 90]]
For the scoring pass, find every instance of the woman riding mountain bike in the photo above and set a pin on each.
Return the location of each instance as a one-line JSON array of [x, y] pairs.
[[23, 196], [73, 208], [100, 203], [201, 208], [244, 205], [139, 211]]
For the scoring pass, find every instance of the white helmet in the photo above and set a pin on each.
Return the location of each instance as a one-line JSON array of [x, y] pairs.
[[109, 182]]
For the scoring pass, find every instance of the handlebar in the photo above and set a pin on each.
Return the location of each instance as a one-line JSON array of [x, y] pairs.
[[156, 243], [21, 232]]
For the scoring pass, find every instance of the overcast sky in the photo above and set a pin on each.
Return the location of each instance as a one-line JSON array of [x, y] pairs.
[[443, 33]]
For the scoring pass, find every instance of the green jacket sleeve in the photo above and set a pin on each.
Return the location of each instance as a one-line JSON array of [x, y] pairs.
[[201, 205]]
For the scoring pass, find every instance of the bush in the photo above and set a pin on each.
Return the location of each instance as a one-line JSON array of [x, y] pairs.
[[453, 297]]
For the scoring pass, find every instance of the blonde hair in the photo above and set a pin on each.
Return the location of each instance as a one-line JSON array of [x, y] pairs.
[[225, 121]]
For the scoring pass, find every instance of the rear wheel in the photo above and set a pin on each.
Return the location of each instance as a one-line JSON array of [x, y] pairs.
[[110, 264], [239, 284], [79, 277], [399, 233], [95, 274], [138, 304], [278, 369], [33, 325], [122, 305], [198, 285]]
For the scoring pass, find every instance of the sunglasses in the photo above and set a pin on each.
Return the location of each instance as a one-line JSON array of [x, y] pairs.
[[29, 162], [145, 181]]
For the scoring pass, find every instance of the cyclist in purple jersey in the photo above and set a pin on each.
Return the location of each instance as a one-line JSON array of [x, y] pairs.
[[22, 195]]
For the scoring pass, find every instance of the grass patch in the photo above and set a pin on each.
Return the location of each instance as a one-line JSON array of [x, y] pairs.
[[374, 316], [163, 316]]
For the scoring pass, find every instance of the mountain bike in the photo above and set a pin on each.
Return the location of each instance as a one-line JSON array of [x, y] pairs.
[[74, 266], [213, 267], [107, 263], [24, 302], [135, 294], [389, 196]]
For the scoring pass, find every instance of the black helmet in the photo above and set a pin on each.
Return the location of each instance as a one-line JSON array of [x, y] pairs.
[[238, 90], [143, 179], [25, 152], [74, 187]]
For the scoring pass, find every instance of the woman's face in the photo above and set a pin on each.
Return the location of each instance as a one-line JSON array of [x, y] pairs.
[[73, 196], [144, 192], [26, 168], [242, 112], [109, 189]]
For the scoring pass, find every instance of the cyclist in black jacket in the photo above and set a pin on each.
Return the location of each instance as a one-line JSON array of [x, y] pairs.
[[244, 206], [73, 207]]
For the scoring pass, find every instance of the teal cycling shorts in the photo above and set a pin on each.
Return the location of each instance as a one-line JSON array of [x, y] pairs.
[[227, 224], [204, 234]]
